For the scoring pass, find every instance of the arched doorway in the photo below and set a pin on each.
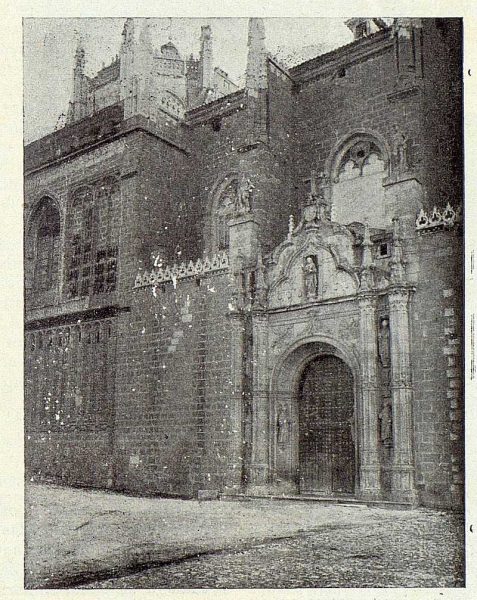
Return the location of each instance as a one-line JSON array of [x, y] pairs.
[[326, 424]]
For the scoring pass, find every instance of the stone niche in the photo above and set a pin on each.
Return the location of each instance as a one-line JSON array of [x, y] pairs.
[[314, 265]]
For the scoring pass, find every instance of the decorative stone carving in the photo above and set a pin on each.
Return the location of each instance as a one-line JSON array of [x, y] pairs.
[[283, 425], [316, 199], [243, 199], [357, 157], [283, 335], [311, 278], [384, 348], [401, 155], [367, 277], [310, 212], [438, 219], [386, 424], [397, 262], [291, 227], [218, 262], [260, 285]]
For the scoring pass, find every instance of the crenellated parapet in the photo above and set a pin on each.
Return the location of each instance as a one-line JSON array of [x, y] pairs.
[[218, 262], [438, 219]]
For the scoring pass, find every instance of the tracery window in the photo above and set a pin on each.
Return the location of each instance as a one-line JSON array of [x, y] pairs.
[[81, 251], [225, 211], [357, 192], [47, 247], [93, 235]]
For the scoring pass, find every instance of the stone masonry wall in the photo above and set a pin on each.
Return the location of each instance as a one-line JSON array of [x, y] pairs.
[[173, 431], [442, 111], [340, 102], [437, 345]]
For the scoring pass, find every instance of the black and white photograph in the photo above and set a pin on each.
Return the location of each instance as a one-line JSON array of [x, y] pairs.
[[244, 335]]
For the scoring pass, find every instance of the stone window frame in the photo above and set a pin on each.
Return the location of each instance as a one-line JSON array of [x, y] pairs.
[[338, 153], [46, 201], [91, 269], [212, 242], [344, 150], [346, 143]]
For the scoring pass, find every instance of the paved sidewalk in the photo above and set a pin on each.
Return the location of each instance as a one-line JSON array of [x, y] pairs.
[[74, 536]]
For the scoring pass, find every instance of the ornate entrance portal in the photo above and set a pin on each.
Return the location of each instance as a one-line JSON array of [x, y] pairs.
[[326, 428]]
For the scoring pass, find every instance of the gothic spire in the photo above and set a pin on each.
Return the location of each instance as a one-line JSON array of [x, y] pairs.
[[128, 33], [256, 73], [80, 55], [145, 35]]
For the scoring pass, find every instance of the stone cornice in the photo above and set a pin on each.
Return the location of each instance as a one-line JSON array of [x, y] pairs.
[[104, 312], [404, 92], [120, 130]]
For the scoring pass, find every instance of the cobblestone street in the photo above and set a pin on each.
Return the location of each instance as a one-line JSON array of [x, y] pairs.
[[96, 539], [426, 551]]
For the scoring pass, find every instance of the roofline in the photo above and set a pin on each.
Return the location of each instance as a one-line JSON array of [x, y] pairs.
[[354, 51]]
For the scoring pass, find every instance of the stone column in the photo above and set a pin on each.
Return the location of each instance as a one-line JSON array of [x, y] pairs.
[[370, 485], [402, 470], [260, 463]]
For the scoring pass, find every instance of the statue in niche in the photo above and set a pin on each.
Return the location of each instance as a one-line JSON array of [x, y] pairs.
[[402, 162], [384, 343], [311, 278], [283, 426], [386, 424], [243, 198]]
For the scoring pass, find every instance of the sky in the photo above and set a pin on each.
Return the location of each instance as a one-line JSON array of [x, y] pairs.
[[49, 46]]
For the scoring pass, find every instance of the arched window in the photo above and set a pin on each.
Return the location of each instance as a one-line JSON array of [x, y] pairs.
[[93, 238], [357, 187], [225, 211], [46, 246], [80, 247]]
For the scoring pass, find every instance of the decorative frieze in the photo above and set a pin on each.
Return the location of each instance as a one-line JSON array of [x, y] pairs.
[[438, 219], [218, 262]]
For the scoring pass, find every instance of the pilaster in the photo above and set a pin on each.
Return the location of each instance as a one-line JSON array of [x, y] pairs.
[[403, 197], [402, 469], [260, 458], [370, 486], [243, 240], [237, 342]]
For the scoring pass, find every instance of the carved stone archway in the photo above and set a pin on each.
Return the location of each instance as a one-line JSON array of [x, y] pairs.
[[284, 397]]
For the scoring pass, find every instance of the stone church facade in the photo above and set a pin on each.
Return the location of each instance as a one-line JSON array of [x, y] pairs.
[[252, 291]]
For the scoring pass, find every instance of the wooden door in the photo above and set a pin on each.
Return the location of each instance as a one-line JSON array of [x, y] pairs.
[[326, 426]]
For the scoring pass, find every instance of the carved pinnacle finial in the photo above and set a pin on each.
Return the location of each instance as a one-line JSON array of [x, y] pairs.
[[80, 53], [145, 36], [313, 183], [396, 228], [291, 226], [397, 260], [261, 287], [256, 70], [367, 245], [128, 31]]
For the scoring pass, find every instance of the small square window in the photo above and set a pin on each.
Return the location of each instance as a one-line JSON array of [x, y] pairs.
[[383, 250]]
